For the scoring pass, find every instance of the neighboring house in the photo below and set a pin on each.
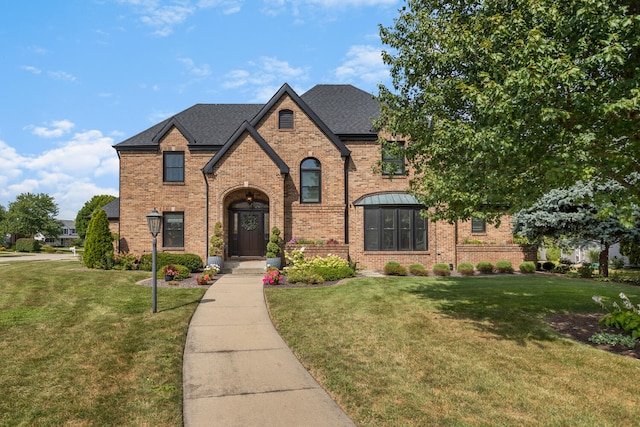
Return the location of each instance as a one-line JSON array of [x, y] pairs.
[[304, 163], [67, 237]]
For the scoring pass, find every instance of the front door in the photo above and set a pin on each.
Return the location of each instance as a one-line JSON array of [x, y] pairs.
[[250, 233]]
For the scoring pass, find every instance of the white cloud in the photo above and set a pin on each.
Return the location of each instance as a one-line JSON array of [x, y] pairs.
[[228, 7], [264, 77], [363, 63], [56, 129], [72, 173], [31, 69], [200, 71], [62, 75]]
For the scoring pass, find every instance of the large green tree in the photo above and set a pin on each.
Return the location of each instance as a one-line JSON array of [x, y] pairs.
[[573, 216], [506, 99], [84, 214], [30, 214]]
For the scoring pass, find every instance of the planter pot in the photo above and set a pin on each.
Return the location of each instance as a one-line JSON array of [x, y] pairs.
[[217, 260], [274, 262], [168, 278]]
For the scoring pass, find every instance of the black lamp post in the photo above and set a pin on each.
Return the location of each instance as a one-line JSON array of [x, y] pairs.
[[154, 222]]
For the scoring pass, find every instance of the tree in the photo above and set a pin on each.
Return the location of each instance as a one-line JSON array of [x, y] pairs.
[[631, 249], [30, 214], [505, 99], [82, 218], [98, 247], [573, 215]]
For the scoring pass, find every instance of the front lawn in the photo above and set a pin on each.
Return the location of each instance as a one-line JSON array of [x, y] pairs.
[[81, 347], [459, 351]]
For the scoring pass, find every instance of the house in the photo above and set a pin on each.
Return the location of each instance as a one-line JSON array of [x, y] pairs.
[[304, 163], [67, 238]]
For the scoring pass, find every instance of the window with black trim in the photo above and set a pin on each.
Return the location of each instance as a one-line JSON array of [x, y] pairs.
[[400, 228], [310, 180], [285, 119], [478, 225], [173, 166], [393, 159], [173, 229]]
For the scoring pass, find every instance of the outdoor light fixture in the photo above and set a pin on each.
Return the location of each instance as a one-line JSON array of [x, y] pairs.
[[249, 197], [154, 222]]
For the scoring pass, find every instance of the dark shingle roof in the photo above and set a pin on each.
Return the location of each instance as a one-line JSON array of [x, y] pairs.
[[112, 209], [344, 109]]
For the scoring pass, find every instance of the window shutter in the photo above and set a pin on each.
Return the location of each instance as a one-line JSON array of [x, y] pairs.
[[285, 119]]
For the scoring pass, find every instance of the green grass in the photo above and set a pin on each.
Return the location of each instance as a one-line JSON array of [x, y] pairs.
[[459, 351], [80, 347]]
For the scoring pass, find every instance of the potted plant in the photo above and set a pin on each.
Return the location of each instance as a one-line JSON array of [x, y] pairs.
[[273, 249], [169, 272], [216, 248]]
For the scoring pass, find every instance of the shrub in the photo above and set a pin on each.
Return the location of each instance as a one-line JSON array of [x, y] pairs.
[[329, 268], [273, 247], [626, 318], [98, 248], [504, 267], [183, 272], [585, 271], [593, 255], [192, 261], [216, 243], [418, 270], [527, 267], [465, 268], [617, 263], [561, 269], [393, 268], [553, 253], [272, 277], [548, 265], [484, 267], [303, 275], [566, 261], [126, 261], [48, 249], [27, 245], [441, 270]]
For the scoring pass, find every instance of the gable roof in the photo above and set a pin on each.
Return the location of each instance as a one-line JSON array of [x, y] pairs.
[[246, 127], [286, 89], [112, 209], [340, 111]]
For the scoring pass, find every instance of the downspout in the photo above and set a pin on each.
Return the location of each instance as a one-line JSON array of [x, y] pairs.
[[346, 199], [120, 200], [206, 214]]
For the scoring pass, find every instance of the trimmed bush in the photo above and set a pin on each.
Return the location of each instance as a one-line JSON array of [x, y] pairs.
[[183, 272], [418, 270], [527, 267], [465, 268], [192, 261], [585, 271], [393, 268], [126, 261], [303, 275], [553, 253], [98, 247], [561, 269], [441, 270], [548, 265], [504, 267], [484, 267], [27, 245]]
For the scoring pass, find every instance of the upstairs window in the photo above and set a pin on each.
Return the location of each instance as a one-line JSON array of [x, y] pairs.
[[173, 166], [478, 225], [393, 160], [285, 119], [310, 177]]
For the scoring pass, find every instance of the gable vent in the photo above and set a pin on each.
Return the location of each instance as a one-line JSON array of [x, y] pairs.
[[285, 119]]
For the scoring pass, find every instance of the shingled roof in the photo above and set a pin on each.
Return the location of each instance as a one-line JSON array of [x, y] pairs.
[[346, 111]]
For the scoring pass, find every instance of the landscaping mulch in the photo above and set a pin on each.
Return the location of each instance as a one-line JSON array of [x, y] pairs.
[[191, 282]]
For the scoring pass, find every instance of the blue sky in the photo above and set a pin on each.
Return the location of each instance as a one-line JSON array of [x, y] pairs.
[[79, 76]]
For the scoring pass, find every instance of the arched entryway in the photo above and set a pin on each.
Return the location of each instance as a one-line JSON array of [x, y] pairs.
[[248, 225]]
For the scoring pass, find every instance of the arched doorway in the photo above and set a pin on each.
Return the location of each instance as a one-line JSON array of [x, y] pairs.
[[248, 228]]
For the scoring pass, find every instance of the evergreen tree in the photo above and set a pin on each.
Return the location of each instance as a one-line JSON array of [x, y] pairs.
[[98, 248], [82, 218]]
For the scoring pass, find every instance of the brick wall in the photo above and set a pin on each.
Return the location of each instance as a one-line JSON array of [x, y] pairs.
[[516, 254]]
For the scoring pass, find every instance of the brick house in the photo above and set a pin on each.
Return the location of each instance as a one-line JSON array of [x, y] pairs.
[[304, 163]]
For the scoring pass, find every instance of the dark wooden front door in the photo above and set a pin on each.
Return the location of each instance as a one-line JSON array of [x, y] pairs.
[[250, 233]]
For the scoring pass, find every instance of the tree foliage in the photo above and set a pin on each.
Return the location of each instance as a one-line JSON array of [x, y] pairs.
[[30, 214], [82, 218], [505, 99], [98, 247], [574, 215]]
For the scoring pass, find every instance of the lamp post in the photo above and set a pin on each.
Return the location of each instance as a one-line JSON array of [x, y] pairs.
[[154, 222]]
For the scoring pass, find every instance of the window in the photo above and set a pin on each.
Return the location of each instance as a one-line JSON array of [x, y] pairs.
[[478, 225], [173, 166], [173, 229], [399, 228], [310, 173], [392, 160], [285, 119]]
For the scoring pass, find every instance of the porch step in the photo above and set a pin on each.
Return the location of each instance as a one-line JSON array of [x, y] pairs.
[[248, 267]]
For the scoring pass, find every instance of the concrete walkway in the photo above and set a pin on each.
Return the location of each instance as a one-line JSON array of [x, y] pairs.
[[239, 372]]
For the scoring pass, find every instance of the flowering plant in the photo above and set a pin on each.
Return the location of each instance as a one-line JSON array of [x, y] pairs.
[[626, 318], [204, 279], [212, 269], [169, 270], [272, 277]]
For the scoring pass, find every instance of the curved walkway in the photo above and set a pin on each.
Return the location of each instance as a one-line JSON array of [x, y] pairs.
[[239, 372]]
